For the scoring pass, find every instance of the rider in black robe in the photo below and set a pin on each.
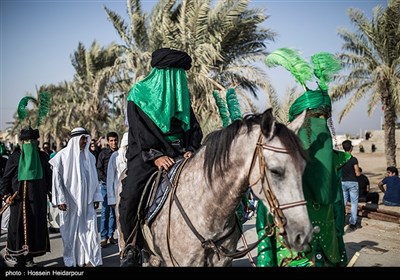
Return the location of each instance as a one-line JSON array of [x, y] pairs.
[[154, 135]]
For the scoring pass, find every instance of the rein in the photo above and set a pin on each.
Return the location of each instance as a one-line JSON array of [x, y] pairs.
[[275, 207]]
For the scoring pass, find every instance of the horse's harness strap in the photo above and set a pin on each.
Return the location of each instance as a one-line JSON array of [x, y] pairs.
[[205, 243], [272, 148], [174, 184], [186, 218], [292, 204], [242, 253], [275, 207], [213, 244]]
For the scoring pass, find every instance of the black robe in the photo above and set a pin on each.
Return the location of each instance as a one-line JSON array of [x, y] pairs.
[[146, 143], [28, 208]]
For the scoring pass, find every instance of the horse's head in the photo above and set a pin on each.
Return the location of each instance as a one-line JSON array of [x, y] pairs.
[[278, 164]]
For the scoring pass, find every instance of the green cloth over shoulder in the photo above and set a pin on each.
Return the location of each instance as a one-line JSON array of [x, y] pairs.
[[163, 90]]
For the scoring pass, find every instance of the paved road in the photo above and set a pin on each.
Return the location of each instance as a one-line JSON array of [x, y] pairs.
[[377, 242], [110, 253]]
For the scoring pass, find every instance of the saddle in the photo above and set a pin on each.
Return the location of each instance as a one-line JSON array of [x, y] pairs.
[[157, 190]]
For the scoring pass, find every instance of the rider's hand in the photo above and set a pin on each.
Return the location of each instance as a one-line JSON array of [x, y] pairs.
[[164, 162], [62, 207], [187, 154], [8, 200]]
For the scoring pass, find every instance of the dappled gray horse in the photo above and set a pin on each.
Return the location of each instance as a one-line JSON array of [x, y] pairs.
[[197, 224]]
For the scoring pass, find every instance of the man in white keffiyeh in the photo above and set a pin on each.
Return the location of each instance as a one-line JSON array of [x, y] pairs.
[[77, 195]]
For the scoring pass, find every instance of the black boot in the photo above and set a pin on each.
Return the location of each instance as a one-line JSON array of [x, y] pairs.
[[131, 257], [29, 261], [21, 261]]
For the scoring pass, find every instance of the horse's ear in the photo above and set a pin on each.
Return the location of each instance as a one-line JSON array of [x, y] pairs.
[[268, 124], [296, 124]]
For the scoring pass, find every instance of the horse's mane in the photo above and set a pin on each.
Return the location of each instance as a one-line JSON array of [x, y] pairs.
[[218, 143]]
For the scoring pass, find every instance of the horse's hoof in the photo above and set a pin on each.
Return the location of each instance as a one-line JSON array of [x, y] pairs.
[[154, 261]]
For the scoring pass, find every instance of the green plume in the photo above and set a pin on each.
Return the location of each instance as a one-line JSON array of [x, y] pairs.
[[233, 105], [291, 60], [223, 111], [325, 66], [44, 106], [22, 111]]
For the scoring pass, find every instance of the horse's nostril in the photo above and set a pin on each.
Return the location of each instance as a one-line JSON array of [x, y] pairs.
[[299, 240]]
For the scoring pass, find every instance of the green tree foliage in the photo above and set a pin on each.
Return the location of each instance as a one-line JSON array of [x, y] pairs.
[[224, 39], [372, 57]]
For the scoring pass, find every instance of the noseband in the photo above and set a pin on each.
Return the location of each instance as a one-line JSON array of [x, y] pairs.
[[275, 207]]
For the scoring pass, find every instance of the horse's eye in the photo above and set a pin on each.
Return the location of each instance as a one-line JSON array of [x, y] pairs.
[[277, 172]]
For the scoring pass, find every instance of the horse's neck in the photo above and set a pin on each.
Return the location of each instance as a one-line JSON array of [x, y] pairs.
[[241, 156], [217, 202]]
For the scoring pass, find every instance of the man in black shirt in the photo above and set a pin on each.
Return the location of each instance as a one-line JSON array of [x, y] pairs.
[[363, 186], [350, 171], [108, 222]]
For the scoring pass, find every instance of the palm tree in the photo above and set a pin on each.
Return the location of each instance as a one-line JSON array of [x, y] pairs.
[[87, 100], [223, 40], [372, 55], [94, 72], [64, 112]]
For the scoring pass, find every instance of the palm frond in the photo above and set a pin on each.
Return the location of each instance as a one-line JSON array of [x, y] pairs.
[[119, 25]]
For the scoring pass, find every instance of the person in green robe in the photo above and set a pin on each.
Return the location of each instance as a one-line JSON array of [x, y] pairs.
[[322, 193], [322, 175]]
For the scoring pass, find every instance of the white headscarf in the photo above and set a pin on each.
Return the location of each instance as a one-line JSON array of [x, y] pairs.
[[121, 158], [70, 163]]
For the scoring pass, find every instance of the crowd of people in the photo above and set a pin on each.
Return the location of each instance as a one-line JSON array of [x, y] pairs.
[[63, 189]]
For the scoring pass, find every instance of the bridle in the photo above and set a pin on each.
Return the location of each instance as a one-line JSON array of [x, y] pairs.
[[275, 207]]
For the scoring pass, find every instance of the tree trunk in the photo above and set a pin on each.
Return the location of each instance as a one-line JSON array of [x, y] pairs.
[[58, 144], [390, 133], [41, 141]]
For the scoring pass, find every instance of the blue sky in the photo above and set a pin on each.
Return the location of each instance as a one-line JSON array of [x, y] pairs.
[[37, 39]]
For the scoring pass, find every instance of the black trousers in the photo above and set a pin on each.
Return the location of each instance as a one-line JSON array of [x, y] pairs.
[[370, 197], [132, 189]]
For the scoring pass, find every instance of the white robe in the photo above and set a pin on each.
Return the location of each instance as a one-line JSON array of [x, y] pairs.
[[75, 183]]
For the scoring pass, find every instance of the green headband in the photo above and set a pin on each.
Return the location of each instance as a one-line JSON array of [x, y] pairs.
[[310, 99]]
